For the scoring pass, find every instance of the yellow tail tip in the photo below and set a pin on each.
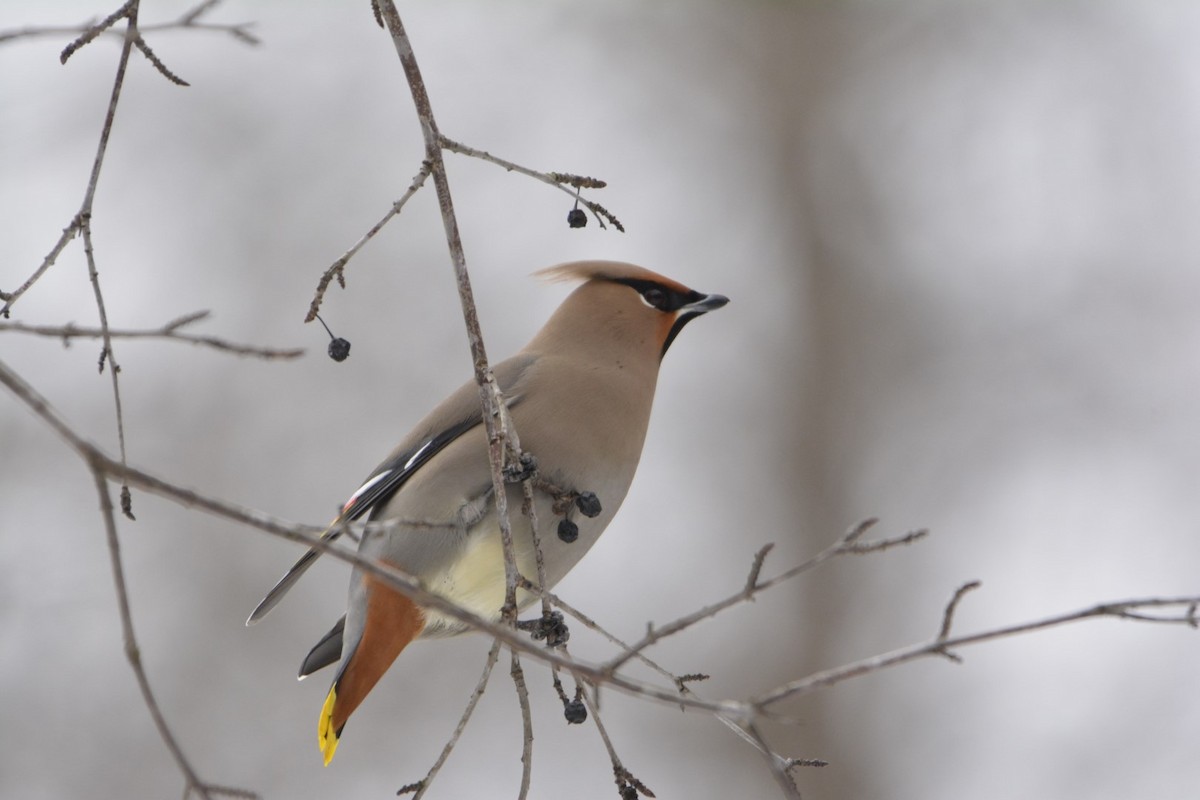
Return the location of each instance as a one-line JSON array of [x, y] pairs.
[[327, 737]]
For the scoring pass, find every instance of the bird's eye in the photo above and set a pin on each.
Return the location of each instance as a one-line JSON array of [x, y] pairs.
[[655, 297]]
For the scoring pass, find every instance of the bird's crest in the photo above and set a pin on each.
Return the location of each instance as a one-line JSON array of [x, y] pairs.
[[605, 271]]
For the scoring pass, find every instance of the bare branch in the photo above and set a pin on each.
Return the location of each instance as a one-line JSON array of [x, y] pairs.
[[559, 180], [679, 681], [68, 234], [780, 767], [337, 269], [141, 45], [756, 568], [82, 220], [628, 786], [1124, 609], [518, 679], [190, 20], [848, 544], [948, 616], [777, 763], [422, 786], [489, 392], [600, 212], [133, 653], [863, 548], [100, 27], [170, 331]]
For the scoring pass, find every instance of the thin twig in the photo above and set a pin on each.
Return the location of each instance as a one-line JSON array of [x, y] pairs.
[[1124, 609], [628, 786], [68, 234], [162, 68], [337, 269], [130, 12], [100, 27], [190, 20], [759, 743], [559, 180], [681, 681], [133, 653], [591, 624], [170, 331], [780, 767], [756, 568], [847, 544], [952, 606], [948, 616], [518, 679], [529, 509], [422, 786]]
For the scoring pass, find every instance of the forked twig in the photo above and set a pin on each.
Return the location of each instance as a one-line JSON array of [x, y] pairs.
[[559, 180], [1125, 609], [171, 331], [134, 656], [948, 617], [189, 20], [337, 268], [848, 543], [628, 786], [422, 786], [81, 222]]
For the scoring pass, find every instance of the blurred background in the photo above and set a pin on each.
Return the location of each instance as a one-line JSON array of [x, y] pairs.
[[961, 244]]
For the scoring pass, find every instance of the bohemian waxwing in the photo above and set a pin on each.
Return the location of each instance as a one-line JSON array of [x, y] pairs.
[[579, 395]]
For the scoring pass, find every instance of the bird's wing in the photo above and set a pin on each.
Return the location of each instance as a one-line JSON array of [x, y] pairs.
[[325, 652], [457, 414]]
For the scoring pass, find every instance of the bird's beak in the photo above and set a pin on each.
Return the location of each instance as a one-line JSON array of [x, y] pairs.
[[686, 313], [709, 302]]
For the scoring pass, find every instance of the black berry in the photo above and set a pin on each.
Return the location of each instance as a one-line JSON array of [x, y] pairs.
[[567, 531], [576, 218], [339, 349], [589, 504], [575, 712]]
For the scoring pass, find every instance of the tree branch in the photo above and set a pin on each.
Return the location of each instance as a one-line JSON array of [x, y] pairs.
[[738, 714], [171, 331], [518, 679], [489, 393], [422, 786], [190, 20], [559, 180], [133, 653], [1123, 609], [337, 269], [848, 544]]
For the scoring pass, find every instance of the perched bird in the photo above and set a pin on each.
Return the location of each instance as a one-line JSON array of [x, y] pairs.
[[579, 396]]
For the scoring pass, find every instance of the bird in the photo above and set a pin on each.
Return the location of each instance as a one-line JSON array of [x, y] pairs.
[[579, 396]]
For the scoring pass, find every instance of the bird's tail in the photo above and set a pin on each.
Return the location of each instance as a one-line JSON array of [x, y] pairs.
[[392, 621]]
